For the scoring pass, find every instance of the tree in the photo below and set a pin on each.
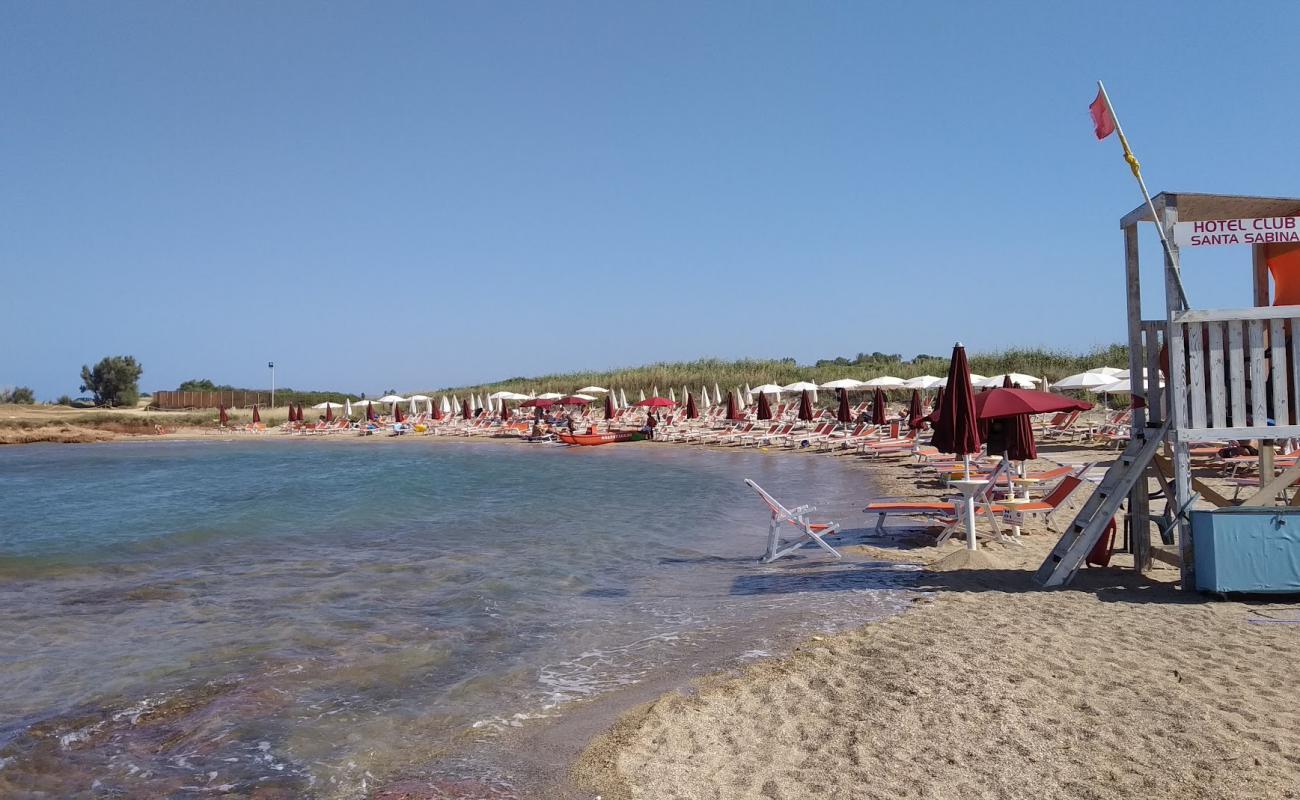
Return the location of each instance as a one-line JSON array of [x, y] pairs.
[[114, 381], [64, 400], [20, 395], [197, 385]]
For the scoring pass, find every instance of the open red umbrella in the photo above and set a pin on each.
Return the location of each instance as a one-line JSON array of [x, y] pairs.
[[691, 411], [733, 413], [256, 416], [536, 404], [329, 413], [225, 418], [843, 413], [573, 401], [609, 405], [764, 409], [805, 406], [915, 417], [655, 402], [878, 401], [465, 410], [997, 403]]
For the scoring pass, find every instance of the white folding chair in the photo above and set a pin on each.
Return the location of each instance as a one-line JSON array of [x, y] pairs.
[[798, 517]]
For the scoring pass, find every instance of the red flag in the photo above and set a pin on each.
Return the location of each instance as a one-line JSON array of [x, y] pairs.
[[1102, 120]]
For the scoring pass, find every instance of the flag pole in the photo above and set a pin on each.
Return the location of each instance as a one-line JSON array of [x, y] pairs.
[[1133, 164]]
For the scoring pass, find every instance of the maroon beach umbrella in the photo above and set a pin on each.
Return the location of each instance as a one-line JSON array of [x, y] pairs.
[[955, 429], [370, 412], [397, 414], [609, 406], [764, 409], [934, 409], [505, 412], [1020, 444], [1006, 382], [915, 417], [465, 411], [733, 413], [878, 407], [225, 418], [295, 415], [256, 416], [691, 411], [805, 406], [329, 413], [655, 402], [843, 413]]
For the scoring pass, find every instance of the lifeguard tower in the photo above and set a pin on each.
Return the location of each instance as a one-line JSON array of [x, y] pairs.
[[1232, 374]]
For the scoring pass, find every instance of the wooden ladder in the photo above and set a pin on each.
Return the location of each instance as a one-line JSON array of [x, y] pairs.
[[1083, 533]]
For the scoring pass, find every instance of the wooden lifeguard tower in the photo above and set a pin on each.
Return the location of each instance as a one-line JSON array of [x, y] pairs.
[[1232, 373]]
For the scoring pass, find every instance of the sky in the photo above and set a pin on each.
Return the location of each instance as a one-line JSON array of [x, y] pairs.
[[420, 195]]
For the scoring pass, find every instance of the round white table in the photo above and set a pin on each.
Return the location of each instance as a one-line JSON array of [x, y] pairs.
[[969, 488]]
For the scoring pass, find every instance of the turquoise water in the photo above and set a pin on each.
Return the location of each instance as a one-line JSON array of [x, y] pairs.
[[320, 618]]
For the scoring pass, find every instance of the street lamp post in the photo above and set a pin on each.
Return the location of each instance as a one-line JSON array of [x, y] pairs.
[[271, 365]]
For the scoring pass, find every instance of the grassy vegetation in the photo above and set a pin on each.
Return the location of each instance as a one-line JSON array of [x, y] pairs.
[[1053, 364]]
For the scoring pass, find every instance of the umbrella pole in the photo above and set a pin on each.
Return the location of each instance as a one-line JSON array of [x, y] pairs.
[[971, 543]]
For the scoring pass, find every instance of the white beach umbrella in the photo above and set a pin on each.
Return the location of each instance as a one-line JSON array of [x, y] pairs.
[[740, 399], [420, 397], [622, 399], [583, 396], [717, 393], [1018, 379], [976, 379], [1084, 380], [685, 393], [347, 408], [655, 391], [455, 403], [642, 392], [767, 388], [411, 409], [1123, 385], [391, 398], [922, 382], [884, 382], [327, 404], [549, 396], [428, 406], [593, 390], [799, 386], [704, 396], [672, 395], [843, 383], [1112, 371], [445, 405]]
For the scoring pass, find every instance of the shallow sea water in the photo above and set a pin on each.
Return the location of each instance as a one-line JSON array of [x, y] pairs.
[[325, 618]]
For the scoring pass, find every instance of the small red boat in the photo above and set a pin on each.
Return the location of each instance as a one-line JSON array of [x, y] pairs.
[[592, 439]]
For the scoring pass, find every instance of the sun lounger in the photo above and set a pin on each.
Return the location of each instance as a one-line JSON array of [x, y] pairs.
[[796, 517]]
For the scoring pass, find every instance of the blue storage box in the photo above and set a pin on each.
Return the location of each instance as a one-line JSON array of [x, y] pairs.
[[1247, 549]]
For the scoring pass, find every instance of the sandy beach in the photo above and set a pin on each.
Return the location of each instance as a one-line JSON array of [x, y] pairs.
[[1117, 687]]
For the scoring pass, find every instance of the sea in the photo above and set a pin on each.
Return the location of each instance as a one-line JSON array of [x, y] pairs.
[[338, 617]]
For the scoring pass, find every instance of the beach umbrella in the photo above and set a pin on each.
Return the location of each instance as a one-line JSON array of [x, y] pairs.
[[957, 431], [843, 383], [1114, 371], [671, 395], [465, 411], [392, 398], [934, 410], [764, 410], [642, 398], [843, 413], [292, 418], [592, 389], [370, 412], [997, 403], [769, 388], [740, 399], [609, 406], [347, 408], [256, 416], [622, 399], [573, 400], [704, 396], [692, 412], [805, 406], [915, 416], [802, 386], [329, 412], [717, 393], [444, 406], [1016, 378], [733, 413], [878, 413], [1085, 380], [884, 382], [922, 382], [501, 407], [398, 416], [436, 411], [549, 396], [412, 408], [225, 418], [537, 403], [656, 402], [748, 396]]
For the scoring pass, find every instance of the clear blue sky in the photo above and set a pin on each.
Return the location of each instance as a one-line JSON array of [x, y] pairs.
[[418, 195]]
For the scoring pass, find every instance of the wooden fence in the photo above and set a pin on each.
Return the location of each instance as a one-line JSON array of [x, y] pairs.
[[229, 399]]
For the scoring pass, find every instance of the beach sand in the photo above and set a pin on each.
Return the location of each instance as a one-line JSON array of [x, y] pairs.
[[1119, 686]]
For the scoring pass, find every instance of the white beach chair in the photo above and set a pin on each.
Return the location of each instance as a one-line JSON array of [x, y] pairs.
[[798, 517]]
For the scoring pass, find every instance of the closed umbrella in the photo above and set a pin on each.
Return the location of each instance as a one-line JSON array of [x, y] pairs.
[[692, 412], [642, 397], [329, 412], [225, 418], [370, 412], [505, 412], [764, 410], [956, 431], [915, 417], [347, 408], [733, 413], [428, 408], [704, 396], [748, 396], [465, 411], [740, 399], [934, 412], [622, 398], [609, 406], [878, 401], [256, 416], [843, 413], [292, 416], [805, 406], [717, 393], [438, 411], [671, 395], [413, 410], [444, 406]]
